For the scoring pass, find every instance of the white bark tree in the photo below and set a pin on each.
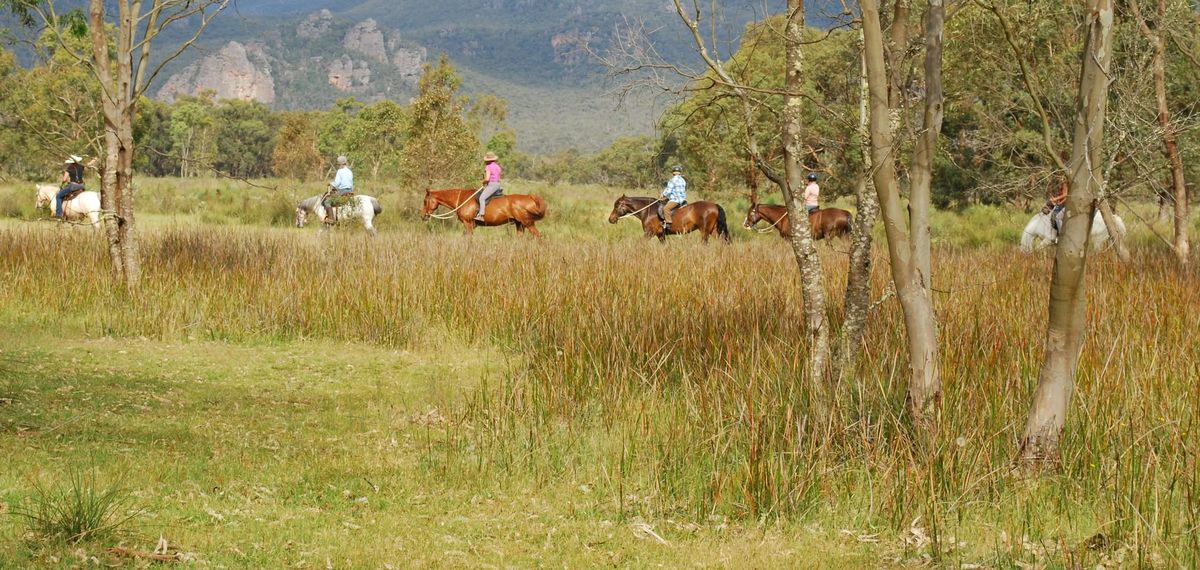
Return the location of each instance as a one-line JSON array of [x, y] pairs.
[[1068, 299], [908, 235], [121, 59]]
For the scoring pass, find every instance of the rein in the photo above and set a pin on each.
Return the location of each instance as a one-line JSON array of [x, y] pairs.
[[631, 214], [771, 227], [451, 213]]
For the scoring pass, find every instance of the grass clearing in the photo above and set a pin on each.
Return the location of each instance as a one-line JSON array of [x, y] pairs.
[[573, 401]]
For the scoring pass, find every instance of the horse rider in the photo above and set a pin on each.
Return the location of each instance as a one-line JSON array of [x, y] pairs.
[[340, 190], [72, 180], [676, 195], [812, 194], [1057, 203], [491, 182]]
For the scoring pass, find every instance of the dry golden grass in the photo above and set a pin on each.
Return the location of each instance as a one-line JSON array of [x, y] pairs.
[[670, 380]]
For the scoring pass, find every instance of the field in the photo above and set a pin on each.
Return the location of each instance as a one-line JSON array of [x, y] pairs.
[[271, 399]]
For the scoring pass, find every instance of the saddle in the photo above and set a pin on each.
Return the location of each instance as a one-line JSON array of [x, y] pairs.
[[73, 194], [661, 205]]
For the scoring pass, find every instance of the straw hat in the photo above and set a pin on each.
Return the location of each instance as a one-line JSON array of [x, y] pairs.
[[72, 159], [490, 157]]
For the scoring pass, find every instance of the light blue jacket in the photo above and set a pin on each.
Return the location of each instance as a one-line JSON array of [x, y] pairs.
[[676, 189], [343, 180]]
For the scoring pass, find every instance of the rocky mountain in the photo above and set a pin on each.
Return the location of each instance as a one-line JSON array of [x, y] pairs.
[[537, 54]]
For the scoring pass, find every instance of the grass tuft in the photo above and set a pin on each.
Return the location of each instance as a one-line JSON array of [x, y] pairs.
[[77, 509]]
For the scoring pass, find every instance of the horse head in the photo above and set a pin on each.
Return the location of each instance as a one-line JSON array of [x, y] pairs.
[[429, 205], [620, 208], [43, 198], [753, 216]]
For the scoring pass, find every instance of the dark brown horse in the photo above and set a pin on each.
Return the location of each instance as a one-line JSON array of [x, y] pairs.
[[521, 210], [822, 223], [708, 217]]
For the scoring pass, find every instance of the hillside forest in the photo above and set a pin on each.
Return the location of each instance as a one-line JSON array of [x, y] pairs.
[[1010, 72]]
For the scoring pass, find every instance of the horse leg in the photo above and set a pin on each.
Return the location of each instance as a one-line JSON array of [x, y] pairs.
[[520, 228], [533, 230]]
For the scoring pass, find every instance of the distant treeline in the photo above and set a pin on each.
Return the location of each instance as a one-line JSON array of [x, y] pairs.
[[994, 146]]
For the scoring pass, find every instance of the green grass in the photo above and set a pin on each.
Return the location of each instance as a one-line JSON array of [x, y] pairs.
[[520, 403]]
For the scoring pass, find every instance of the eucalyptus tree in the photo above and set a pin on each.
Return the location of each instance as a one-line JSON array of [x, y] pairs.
[[1068, 298], [907, 232], [124, 63]]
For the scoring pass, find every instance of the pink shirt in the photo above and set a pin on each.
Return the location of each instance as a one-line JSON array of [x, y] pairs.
[[492, 171], [811, 193]]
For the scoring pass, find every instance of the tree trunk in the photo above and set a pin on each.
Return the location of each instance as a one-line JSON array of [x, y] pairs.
[[924, 385], [862, 234], [812, 277], [896, 54], [1170, 141], [926, 147], [1115, 233], [118, 107], [1068, 300]]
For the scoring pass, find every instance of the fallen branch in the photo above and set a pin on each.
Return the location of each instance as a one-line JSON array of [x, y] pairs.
[[122, 552]]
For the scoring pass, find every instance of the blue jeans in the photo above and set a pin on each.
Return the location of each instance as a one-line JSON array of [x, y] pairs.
[[810, 209], [58, 198]]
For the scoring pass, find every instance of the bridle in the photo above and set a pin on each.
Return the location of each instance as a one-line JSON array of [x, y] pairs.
[[631, 214], [452, 213], [771, 227]]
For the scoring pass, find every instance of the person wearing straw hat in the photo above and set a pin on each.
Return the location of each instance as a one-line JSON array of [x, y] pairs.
[[340, 189], [72, 181], [491, 182]]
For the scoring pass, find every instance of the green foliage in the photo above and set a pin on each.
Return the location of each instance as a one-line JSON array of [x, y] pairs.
[[441, 144], [297, 156], [376, 138], [193, 135], [707, 133], [152, 133], [246, 135], [54, 110]]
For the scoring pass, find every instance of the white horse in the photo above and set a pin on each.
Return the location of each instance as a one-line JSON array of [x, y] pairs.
[[360, 206], [85, 205], [1039, 227]]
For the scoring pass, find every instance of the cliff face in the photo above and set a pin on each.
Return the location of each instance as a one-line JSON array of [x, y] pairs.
[[366, 55], [235, 72]]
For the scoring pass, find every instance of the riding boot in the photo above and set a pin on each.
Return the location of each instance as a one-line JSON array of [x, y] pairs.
[[666, 227]]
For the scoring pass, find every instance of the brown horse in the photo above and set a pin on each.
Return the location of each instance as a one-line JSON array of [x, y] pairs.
[[521, 210], [708, 217], [822, 223]]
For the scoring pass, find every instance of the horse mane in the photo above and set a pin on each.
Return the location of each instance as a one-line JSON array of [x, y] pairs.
[[310, 204]]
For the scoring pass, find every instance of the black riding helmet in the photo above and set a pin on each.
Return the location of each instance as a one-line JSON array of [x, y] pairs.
[[812, 176]]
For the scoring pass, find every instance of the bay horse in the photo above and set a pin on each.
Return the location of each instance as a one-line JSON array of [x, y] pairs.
[[521, 210], [707, 217], [822, 223]]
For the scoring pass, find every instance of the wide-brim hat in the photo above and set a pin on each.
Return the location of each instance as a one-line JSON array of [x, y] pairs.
[[490, 157], [73, 158]]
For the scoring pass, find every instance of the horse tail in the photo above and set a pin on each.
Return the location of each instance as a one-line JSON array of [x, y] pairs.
[[539, 210], [722, 227], [375, 205]]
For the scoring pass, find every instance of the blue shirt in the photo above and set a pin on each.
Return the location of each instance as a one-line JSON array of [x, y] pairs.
[[676, 189], [343, 180]]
